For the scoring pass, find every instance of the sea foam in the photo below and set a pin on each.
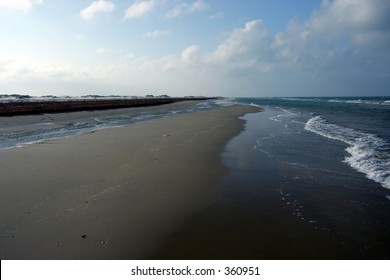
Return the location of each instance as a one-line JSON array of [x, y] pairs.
[[368, 153]]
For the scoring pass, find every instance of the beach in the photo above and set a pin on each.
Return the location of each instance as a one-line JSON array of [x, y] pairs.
[[113, 193], [298, 179]]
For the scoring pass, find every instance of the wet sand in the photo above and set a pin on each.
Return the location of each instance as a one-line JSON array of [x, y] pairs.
[[115, 193]]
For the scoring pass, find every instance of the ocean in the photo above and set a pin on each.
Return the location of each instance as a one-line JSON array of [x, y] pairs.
[[358, 129], [323, 161]]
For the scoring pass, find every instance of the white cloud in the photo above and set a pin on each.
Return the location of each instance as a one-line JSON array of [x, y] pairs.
[[21, 5], [186, 8], [355, 16], [41, 77], [156, 33], [191, 54], [357, 26], [139, 8], [329, 53], [242, 48], [99, 6], [215, 16]]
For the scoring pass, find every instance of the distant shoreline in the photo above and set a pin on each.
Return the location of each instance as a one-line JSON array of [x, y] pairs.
[[14, 108]]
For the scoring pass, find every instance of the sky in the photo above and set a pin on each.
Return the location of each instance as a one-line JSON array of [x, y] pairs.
[[248, 48]]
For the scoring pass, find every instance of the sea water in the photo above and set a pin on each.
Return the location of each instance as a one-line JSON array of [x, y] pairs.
[[325, 162], [357, 128]]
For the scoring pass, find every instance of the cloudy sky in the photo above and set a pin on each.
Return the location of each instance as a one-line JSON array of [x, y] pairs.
[[195, 47]]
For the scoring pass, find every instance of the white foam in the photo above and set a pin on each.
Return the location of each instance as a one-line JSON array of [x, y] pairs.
[[294, 121], [360, 101], [98, 120], [357, 101], [286, 111], [42, 124], [255, 105], [225, 102], [306, 99], [279, 117], [369, 154], [275, 119]]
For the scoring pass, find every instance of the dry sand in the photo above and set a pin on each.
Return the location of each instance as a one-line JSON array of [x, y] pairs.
[[115, 193]]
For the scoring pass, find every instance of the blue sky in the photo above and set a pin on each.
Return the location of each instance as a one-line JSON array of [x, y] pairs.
[[195, 47]]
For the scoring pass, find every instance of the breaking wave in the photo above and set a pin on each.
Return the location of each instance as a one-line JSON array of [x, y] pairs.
[[368, 153]]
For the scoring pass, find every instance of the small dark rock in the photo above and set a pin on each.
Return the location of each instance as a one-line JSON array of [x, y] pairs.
[[84, 236]]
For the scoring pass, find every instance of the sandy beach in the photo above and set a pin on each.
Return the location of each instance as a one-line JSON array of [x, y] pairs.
[[114, 193]]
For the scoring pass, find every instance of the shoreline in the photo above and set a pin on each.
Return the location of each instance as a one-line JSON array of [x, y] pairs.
[[114, 193], [22, 130]]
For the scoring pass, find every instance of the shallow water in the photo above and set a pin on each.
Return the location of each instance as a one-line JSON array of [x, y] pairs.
[[21, 130]]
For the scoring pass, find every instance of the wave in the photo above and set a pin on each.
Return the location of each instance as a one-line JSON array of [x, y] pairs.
[[368, 153], [305, 99], [280, 117], [225, 102], [361, 101], [255, 105]]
